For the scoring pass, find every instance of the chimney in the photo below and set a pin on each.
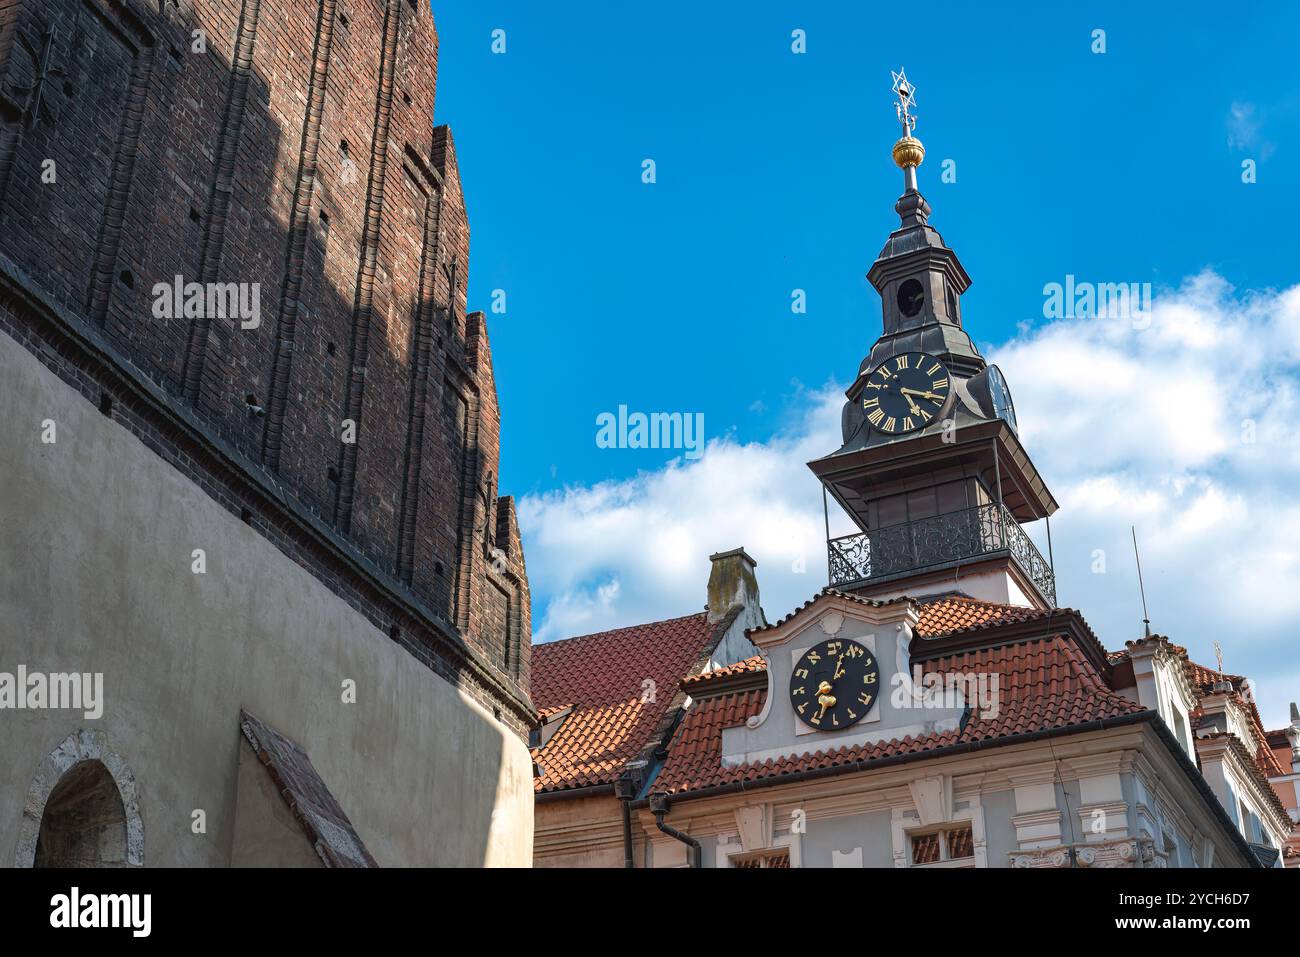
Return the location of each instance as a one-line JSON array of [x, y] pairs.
[[732, 583]]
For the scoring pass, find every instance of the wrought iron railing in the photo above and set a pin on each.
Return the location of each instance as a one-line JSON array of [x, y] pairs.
[[937, 540]]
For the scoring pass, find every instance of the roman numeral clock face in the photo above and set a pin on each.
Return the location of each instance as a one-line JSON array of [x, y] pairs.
[[906, 392], [834, 684]]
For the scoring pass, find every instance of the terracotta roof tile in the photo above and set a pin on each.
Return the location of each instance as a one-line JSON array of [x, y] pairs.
[[1203, 680], [1046, 683], [616, 712], [955, 613]]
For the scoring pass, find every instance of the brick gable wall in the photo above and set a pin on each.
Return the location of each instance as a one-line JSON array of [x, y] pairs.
[[294, 151]]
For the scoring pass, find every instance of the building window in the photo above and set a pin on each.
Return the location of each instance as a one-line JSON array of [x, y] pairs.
[[954, 847], [780, 859]]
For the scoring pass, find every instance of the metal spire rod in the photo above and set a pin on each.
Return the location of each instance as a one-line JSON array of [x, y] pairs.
[[1146, 619]]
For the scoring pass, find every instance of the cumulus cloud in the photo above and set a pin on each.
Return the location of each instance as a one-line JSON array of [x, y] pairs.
[[1181, 425]]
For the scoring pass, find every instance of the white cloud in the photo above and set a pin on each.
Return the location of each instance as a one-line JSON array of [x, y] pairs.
[[1184, 429]]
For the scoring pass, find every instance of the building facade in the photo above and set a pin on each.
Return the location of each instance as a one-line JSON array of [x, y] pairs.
[[253, 442], [933, 707]]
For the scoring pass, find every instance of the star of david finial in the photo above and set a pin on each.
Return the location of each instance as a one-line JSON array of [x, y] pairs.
[[903, 106]]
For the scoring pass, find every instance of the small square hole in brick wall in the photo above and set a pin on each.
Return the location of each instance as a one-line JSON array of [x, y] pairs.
[[343, 20], [195, 216], [128, 278], [437, 568], [176, 55], [330, 348], [106, 404], [394, 632], [246, 516], [406, 98], [332, 474]]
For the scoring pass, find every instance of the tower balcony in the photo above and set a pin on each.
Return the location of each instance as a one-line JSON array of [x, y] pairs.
[[929, 543]]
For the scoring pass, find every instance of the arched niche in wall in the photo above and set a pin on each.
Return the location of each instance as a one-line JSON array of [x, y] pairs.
[[82, 809]]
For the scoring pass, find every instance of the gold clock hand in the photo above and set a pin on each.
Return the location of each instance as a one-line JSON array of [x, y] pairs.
[[838, 661]]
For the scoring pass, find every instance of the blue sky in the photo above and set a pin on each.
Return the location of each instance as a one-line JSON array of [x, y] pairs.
[[773, 173]]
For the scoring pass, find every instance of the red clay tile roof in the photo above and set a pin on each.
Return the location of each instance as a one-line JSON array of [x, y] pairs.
[[1203, 679], [604, 677], [1045, 683], [956, 613]]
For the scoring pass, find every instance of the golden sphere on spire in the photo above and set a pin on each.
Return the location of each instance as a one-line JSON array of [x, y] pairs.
[[908, 152]]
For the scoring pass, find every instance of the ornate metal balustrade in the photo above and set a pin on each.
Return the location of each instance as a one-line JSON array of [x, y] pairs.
[[950, 537]]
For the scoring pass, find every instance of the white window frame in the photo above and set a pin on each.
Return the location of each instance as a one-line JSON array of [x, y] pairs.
[[944, 860], [732, 848], [906, 823]]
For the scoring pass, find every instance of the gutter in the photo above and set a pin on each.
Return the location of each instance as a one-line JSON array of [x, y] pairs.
[[659, 804], [968, 747], [590, 790]]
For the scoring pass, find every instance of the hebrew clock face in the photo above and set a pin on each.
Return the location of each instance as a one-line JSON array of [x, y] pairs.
[[906, 392], [834, 684]]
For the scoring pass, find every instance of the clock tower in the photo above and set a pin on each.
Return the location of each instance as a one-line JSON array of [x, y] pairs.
[[931, 470]]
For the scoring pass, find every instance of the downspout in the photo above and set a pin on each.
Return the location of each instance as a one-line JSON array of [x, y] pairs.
[[659, 808], [625, 790]]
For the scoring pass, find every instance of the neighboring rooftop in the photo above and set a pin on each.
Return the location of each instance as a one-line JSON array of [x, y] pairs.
[[621, 686]]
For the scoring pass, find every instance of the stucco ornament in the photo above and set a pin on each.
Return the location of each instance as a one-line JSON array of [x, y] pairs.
[[832, 623], [1124, 852]]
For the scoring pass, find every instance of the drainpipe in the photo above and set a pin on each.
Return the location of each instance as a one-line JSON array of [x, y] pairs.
[[625, 790], [659, 808]]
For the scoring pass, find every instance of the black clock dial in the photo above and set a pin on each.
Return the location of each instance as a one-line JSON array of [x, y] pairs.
[[906, 392], [1000, 396], [834, 684]]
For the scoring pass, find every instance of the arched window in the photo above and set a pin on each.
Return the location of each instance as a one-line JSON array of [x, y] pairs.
[[84, 824]]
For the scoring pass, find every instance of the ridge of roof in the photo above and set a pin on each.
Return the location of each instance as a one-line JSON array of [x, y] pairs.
[[567, 642], [825, 592]]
